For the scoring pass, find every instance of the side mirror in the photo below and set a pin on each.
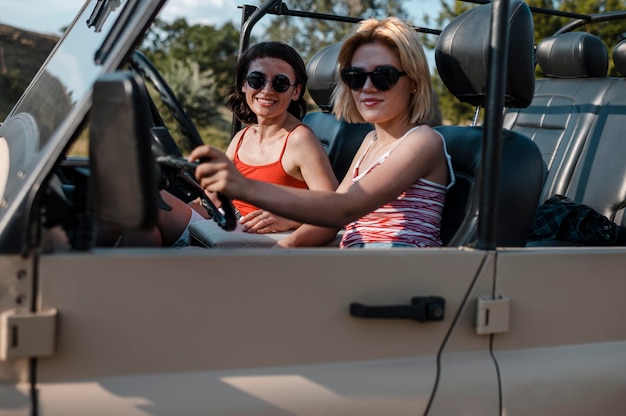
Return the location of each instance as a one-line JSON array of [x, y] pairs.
[[124, 182]]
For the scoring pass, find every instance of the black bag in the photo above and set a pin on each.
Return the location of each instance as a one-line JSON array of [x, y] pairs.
[[561, 219]]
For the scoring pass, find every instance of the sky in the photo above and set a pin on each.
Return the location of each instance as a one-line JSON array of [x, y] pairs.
[[49, 17], [42, 16]]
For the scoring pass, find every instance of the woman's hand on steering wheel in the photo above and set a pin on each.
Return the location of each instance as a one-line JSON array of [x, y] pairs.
[[167, 152]]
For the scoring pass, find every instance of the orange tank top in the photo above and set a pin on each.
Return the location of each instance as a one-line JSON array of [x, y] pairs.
[[272, 173]]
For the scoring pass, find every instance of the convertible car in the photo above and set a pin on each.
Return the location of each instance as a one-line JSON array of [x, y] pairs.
[[493, 323]]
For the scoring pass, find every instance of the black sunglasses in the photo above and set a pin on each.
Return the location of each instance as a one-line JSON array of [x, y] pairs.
[[256, 80], [383, 77]]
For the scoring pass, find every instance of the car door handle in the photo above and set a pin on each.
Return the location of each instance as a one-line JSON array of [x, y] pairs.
[[422, 309]]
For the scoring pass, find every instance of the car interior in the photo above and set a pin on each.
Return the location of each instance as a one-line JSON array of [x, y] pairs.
[[461, 55], [560, 135], [577, 119]]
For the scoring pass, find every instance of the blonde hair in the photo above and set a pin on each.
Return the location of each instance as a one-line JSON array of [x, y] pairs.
[[404, 40]]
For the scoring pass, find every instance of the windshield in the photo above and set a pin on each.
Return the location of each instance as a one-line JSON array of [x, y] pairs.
[[67, 76], [39, 127]]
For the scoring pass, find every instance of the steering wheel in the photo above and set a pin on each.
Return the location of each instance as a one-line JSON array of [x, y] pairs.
[[176, 171]]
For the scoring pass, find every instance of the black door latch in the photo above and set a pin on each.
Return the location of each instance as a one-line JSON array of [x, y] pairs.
[[422, 309]]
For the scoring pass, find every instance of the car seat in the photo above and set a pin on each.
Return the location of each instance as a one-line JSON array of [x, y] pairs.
[[461, 55], [598, 178], [577, 119], [566, 104]]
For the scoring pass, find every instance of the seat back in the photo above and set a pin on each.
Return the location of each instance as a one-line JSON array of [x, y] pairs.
[[599, 176], [461, 55], [577, 119], [566, 105], [340, 139]]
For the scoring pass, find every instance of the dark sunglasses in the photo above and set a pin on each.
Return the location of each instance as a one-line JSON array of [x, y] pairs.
[[383, 77], [256, 80]]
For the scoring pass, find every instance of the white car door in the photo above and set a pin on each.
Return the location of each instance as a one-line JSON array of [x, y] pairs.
[[565, 352], [259, 332]]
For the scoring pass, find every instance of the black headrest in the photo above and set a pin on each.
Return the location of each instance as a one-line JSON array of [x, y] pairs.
[[322, 71], [619, 57], [462, 55], [573, 55]]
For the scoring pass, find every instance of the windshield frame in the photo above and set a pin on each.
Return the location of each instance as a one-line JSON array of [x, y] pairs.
[[125, 32]]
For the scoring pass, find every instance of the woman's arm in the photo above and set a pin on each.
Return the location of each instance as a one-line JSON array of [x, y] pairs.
[[416, 157]]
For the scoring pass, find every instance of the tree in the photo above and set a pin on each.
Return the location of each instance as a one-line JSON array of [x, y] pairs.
[[198, 56], [198, 62], [308, 36], [214, 49]]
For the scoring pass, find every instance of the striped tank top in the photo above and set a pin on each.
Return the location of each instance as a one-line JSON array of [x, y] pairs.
[[413, 218]]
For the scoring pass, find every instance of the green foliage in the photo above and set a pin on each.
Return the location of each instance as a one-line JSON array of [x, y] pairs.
[[195, 90], [198, 63], [308, 36], [213, 48]]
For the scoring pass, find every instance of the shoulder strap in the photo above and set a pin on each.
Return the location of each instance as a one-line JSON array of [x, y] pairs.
[[282, 152], [240, 141]]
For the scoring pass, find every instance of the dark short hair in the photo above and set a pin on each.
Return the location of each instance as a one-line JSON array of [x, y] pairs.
[[279, 50]]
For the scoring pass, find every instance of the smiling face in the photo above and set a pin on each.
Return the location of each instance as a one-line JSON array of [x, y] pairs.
[[266, 102], [378, 106]]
